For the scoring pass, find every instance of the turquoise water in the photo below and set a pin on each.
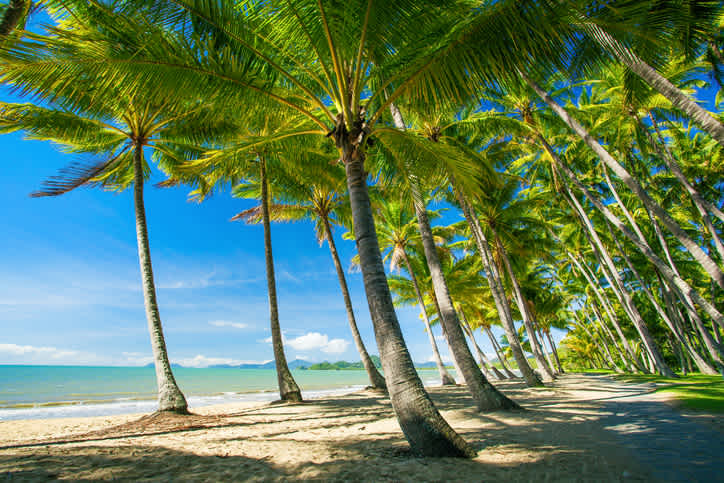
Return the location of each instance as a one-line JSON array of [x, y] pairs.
[[31, 392]]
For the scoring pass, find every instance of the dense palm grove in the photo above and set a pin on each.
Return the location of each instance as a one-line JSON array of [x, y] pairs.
[[573, 140]]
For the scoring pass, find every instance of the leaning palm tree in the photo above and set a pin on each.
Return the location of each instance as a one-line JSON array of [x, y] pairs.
[[288, 388], [118, 132], [315, 197]]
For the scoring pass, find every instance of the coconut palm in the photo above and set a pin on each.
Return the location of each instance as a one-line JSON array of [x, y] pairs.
[[288, 388], [118, 132], [398, 234], [315, 197]]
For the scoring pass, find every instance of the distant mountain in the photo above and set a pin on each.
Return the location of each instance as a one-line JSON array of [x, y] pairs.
[[425, 365], [295, 364], [173, 365]]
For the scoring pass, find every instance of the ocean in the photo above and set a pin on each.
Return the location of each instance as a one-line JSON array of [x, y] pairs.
[[40, 392]]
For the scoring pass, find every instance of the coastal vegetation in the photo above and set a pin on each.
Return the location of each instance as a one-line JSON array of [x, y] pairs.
[[535, 165]]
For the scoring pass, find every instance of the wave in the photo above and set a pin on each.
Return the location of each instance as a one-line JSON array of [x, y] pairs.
[[79, 409]]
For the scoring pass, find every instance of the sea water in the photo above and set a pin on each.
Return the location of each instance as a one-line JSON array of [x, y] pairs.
[[39, 392]]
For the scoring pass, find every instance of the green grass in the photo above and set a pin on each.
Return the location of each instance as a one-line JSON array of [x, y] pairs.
[[699, 392]]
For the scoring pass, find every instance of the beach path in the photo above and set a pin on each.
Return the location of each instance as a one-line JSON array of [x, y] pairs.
[[581, 428]]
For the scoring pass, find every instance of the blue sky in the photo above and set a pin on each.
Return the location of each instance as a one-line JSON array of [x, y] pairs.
[[70, 288], [70, 284]]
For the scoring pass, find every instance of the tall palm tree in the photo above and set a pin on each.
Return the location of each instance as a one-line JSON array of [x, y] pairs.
[[288, 388], [397, 233], [485, 395], [316, 197], [118, 131]]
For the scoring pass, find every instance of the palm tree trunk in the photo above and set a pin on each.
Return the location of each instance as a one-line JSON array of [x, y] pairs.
[[546, 352], [424, 428], [496, 288], [288, 389], [545, 371], [704, 367], [680, 100], [695, 250], [445, 376], [596, 317], [458, 371], [485, 395], [711, 345], [499, 353], [628, 354], [484, 361], [555, 351], [601, 343], [376, 379], [170, 397]]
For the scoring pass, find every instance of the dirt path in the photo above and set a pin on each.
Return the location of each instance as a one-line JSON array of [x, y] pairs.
[[583, 428]]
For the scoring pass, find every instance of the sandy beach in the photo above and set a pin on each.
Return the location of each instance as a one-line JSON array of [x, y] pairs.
[[568, 432]]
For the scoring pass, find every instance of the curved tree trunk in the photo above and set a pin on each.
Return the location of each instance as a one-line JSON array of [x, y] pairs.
[[458, 371], [486, 396], [499, 353], [421, 423], [445, 376], [628, 354], [546, 373], [288, 389], [546, 353], [376, 379], [496, 289], [596, 316], [695, 250], [710, 345], [661, 84], [170, 397]]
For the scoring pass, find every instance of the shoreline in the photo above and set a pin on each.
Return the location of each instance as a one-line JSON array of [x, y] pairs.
[[122, 407]]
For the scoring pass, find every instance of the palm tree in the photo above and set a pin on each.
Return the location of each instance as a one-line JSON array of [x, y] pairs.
[[485, 395], [118, 131], [397, 233], [288, 388], [315, 197]]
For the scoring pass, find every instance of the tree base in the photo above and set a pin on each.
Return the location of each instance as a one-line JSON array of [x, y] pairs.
[[293, 396]]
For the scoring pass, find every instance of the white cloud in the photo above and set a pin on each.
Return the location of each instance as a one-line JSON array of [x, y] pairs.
[[32, 351], [315, 341], [227, 323]]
